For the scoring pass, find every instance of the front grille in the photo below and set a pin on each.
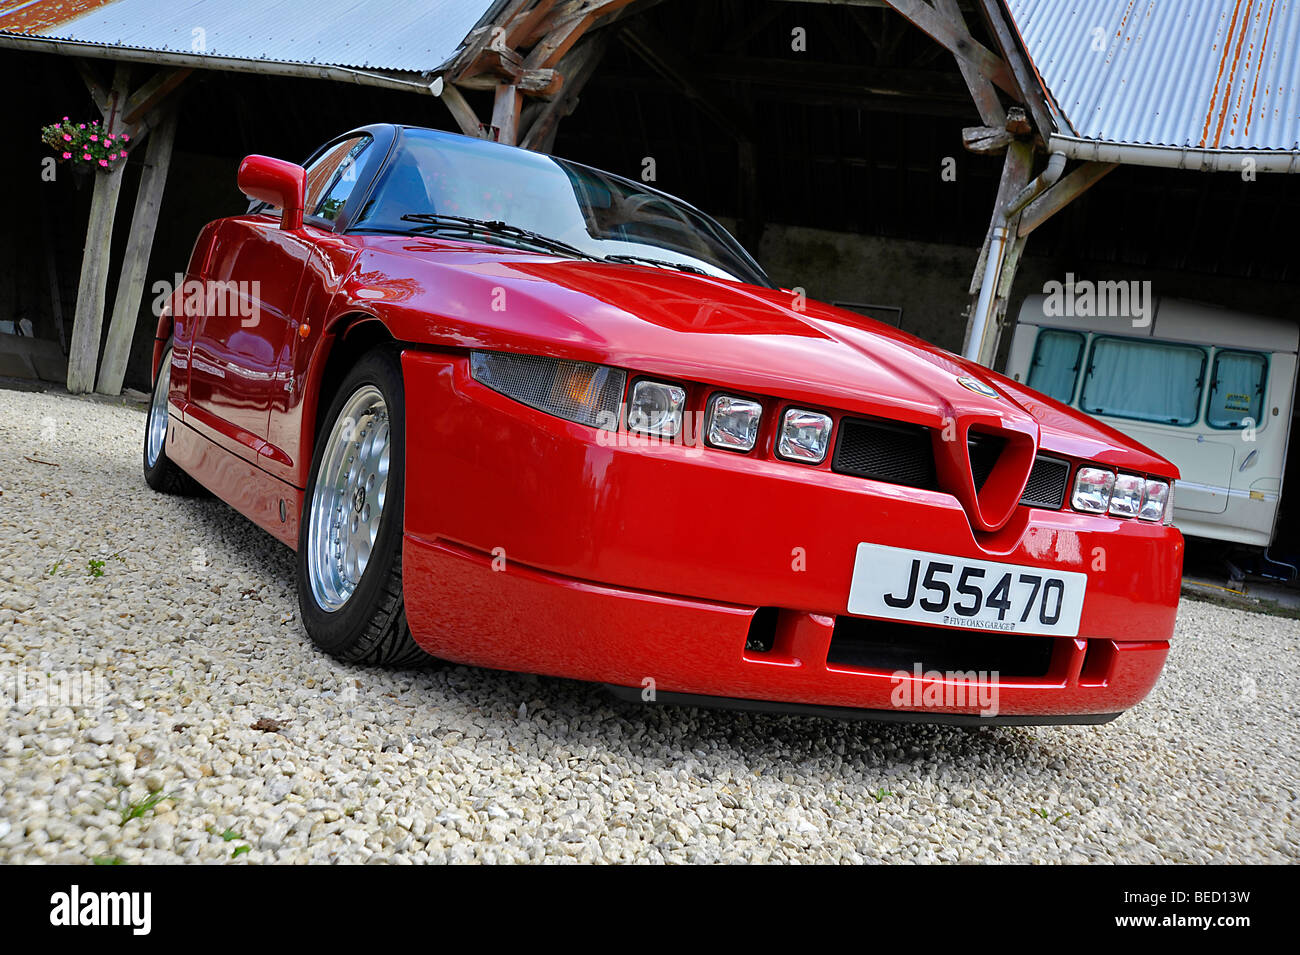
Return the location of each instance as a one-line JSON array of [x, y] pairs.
[[885, 451], [985, 450], [1047, 482], [890, 646], [899, 453]]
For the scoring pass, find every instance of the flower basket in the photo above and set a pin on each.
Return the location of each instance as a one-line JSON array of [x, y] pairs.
[[85, 146]]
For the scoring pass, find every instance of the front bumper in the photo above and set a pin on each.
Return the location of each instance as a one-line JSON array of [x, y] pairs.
[[537, 545]]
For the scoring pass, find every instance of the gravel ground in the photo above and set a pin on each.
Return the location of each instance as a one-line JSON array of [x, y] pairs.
[[166, 706]]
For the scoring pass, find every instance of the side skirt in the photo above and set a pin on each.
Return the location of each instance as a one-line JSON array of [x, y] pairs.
[[268, 502]]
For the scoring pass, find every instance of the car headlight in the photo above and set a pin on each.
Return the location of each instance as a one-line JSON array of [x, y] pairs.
[[656, 408], [1126, 498], [805, 436], [733, 422], [574, 390], [1092, 487], [1157, 499]]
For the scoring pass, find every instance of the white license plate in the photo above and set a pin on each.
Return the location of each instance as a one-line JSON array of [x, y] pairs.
[[902, 584]]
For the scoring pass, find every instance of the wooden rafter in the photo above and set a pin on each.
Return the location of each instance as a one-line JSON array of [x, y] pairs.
[[981, 87], [958, 41], [519, 55]]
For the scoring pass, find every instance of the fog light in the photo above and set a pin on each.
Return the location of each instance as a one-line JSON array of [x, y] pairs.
[[656, 408], [733, 423], [1126, 498], [805, 436], [1092, 487], [1153, 504]]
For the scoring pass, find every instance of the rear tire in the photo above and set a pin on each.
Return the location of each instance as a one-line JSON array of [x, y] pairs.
[[349, 566], [160, 472]]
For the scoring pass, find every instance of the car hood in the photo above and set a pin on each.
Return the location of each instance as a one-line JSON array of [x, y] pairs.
[[680, 325]]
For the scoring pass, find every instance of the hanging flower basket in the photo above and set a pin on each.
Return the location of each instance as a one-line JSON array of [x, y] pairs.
[[85, 145]]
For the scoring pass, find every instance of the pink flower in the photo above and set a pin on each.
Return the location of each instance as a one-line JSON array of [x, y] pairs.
[[82, 126], [86, 157], [122, 153], [67, 155], [112, 155], [126, 138], [65, 119], [67, 138], [94, 138], [103, 162]]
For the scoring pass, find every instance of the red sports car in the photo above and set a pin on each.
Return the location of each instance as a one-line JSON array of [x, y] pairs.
[[515, 412]]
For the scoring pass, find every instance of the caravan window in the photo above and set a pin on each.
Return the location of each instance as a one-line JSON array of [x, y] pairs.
[[1144, 380], [1236, 389], [1055, 367]]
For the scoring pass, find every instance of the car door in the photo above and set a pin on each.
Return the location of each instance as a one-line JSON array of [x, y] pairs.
[[284, 454], [253, 286]]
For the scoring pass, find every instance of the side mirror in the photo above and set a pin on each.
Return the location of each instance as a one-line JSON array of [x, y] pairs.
[[283, 184]]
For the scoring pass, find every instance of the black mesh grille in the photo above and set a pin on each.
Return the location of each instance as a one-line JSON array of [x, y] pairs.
[[984, 452], [1047, 482], [885, 451]]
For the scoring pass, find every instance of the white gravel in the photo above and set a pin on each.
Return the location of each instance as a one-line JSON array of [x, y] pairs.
[[189, 639]]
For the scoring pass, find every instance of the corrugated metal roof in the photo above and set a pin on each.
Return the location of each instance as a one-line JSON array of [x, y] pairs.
[[414, 36], [1201, 76]]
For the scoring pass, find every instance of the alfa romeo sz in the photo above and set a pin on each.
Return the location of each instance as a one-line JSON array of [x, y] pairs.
[[516, 412]]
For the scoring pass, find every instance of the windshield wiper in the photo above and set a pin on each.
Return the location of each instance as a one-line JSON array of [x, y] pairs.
[[646, 260], [439, 220]]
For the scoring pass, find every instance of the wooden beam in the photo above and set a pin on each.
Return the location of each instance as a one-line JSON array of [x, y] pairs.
[[981, 88], [577, 68], [959, 42], [461, 111], [570, 22], [88, 320], [523, 31], [135, 263], [985, 140], [94, 85], [1026, 79], [1053, 200], [152, 93]]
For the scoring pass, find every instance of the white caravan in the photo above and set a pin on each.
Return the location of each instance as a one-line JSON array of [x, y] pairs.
[[1209, 388]]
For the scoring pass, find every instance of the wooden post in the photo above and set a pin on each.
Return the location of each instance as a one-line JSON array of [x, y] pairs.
[[130, 286], [88, 320], [505, 113]]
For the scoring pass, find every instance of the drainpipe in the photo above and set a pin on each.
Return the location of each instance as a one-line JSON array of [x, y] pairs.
[[986, 304], [1049, 175], [992, 266]]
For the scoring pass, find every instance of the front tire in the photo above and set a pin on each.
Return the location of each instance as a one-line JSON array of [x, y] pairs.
[[160, 472], [349, 567]]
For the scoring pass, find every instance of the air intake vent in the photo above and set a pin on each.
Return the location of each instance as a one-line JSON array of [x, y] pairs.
[[885, 451], [1047, 483], [984, 452]]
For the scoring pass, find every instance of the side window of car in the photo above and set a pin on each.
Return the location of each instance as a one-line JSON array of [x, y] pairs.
[[332, 177]]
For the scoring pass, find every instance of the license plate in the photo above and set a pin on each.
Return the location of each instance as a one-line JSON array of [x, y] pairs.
[[902, 584]]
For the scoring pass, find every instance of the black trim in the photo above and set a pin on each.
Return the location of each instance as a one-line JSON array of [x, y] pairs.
[[632, 694]]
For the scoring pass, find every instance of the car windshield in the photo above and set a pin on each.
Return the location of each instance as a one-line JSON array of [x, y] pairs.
[[435, 177]]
